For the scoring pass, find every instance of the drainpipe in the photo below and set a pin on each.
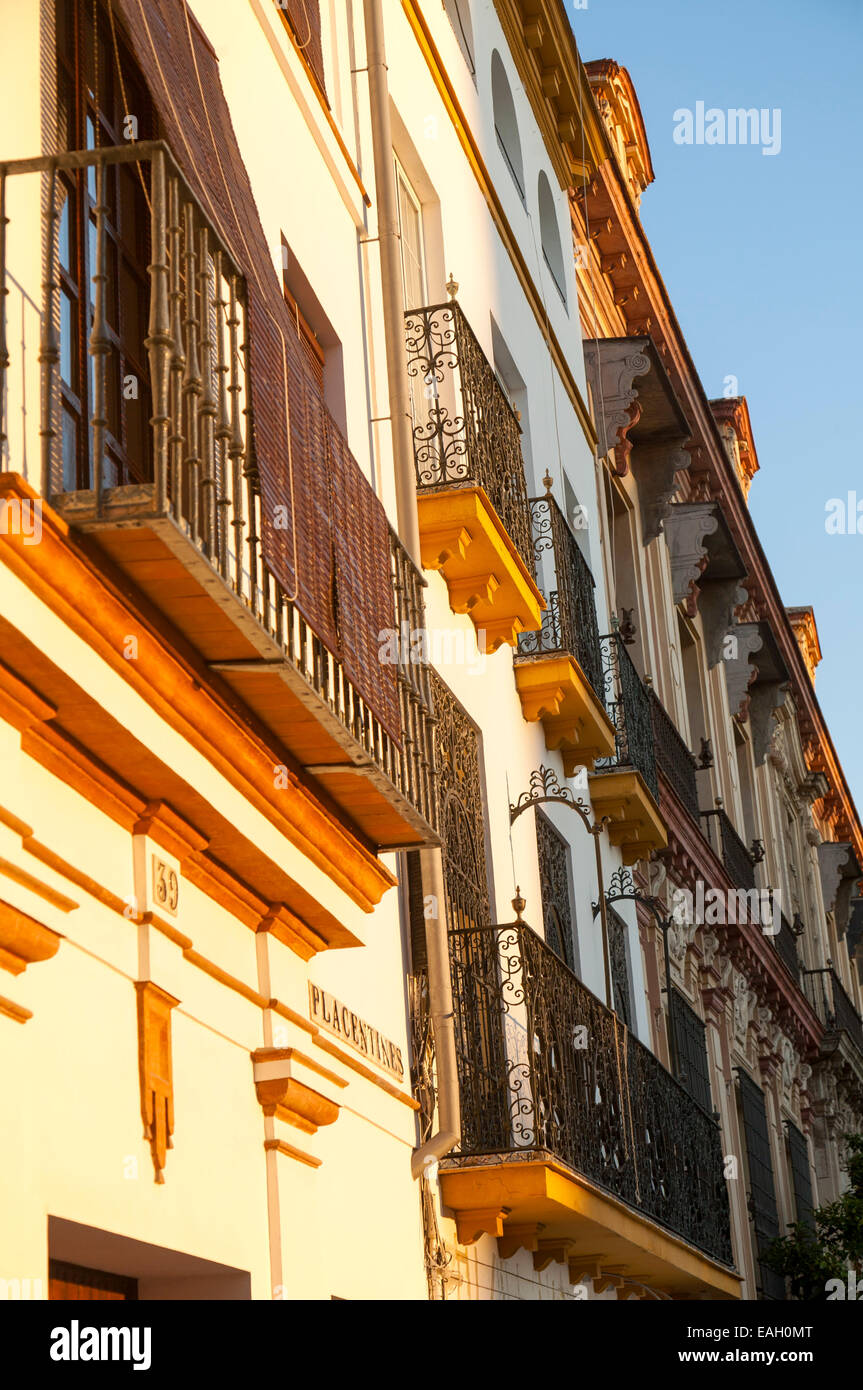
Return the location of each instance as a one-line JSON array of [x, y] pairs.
[[431, 865], [391, 279]]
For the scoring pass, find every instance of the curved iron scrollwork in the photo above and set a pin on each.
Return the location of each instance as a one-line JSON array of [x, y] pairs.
[[621, 888], [475, 438], [545, 785], [544, 1067], [569, 622]]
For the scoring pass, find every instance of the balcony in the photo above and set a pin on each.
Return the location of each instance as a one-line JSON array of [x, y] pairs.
[[673, 758], [471, 492], [558, 668], [624, 787], [728, 846], [185, 522], [575, 1140], [785, 944], [834, 1008]]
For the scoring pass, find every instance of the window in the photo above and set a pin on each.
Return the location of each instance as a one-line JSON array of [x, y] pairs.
[[92, 108], [458, 13], [505, 124], [304, 22], [549, 233], [411, 233], [762, 1193], [313, 353], [413, 279], [553, 855], [462, 822], [319, 344], [618, 952], [690, 1047], [798, 1162]]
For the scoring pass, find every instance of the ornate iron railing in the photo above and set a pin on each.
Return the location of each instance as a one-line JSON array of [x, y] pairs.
[[785, 943], [544, 1067], [465, 431], [569, 622], [628, 705], [727, 844], [833, 1005], [199, 465], [673, 757]]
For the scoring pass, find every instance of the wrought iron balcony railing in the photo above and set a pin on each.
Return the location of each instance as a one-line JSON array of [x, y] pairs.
[[832, 1004], [628, 706], [673, 757], [545, 1069], [785, 943], [727, 844], [569, 622], [465, 431], [195, 462]]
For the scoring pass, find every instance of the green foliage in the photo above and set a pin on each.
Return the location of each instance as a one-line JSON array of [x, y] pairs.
[[809, 1255]]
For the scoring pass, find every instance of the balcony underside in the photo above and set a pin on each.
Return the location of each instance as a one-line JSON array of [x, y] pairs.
[[538, 1203], [166, 566], [554, 688], [462, 536], [634, 820]]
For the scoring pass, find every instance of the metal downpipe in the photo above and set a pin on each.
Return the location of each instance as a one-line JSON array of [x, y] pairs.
[[437, 946]]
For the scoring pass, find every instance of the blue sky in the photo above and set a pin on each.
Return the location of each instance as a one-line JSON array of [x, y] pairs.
[[759, 255]]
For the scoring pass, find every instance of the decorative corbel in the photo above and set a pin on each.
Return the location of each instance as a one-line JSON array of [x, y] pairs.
[[839, 872], [282, 1084], [765, 698], [23, 940], [687, 526], [612, 384], [658, 466], [557, 1250], [518, 1237], [740, 669]]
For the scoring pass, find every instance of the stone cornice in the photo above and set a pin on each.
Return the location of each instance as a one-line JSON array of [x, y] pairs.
[[543, 47]]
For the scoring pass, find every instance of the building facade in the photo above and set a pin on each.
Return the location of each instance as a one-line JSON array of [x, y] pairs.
[[395, 701]]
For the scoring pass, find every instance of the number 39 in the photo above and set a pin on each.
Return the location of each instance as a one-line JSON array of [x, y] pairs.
[[166, 886]]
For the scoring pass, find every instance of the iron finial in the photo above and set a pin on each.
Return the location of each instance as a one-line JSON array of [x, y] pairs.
[[452, 286], [518, 904], [548, 482]]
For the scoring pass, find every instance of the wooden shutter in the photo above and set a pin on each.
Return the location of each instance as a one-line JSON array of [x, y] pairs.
[[325, 535], [304, 18], [313, 353], [73, 1282]]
